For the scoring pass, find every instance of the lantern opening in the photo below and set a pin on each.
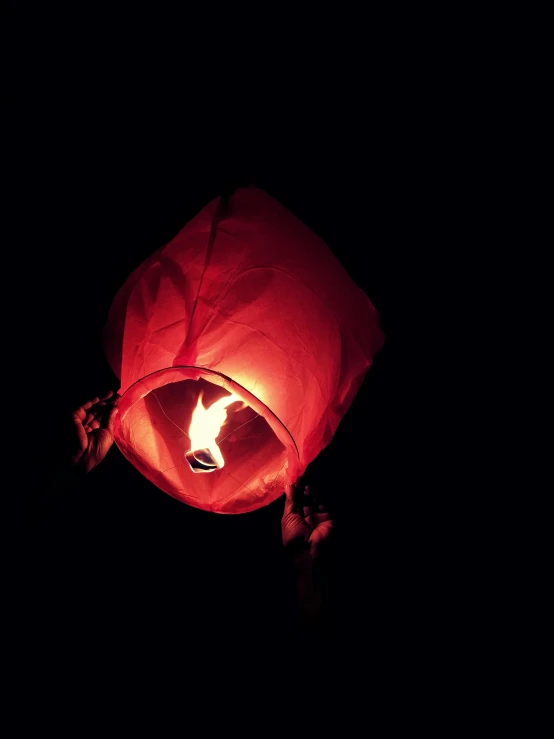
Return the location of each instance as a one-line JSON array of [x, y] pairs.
[[185, 422]]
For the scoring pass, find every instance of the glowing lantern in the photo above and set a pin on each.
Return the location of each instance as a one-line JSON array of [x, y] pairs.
[[246, 301]]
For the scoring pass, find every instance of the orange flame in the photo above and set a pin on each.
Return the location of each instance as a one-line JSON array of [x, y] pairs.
[[206, 423]]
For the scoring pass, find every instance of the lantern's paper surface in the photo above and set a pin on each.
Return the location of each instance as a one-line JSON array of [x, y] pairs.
[[245, 300]]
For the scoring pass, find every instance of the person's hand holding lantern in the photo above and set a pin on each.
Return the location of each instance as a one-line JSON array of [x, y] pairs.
[[306, 523], [87, 436], [92, 427], [306, 527]]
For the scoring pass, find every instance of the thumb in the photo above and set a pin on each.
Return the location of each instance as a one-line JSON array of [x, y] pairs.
[[289, 499], [110, 420]]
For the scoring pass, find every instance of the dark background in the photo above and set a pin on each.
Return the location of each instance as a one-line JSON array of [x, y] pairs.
[[116, 133], [122, 570]]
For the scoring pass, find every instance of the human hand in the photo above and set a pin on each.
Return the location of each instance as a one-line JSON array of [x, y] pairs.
[[92, 426], [306, 523]]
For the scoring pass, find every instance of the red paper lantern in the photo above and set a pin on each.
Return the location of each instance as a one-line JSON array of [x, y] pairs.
[[244, 300]]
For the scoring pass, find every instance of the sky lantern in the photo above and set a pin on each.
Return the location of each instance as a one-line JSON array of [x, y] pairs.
[[239, 345]]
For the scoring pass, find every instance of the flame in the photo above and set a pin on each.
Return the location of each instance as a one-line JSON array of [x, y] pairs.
[[206, 423]]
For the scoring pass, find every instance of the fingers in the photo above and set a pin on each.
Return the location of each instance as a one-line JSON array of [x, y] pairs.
[[300, 501], [321, 534], [93, 407], [307, 502], [98, 412], [315, 500], [314, 519], [293, 500], [289, 501], [79, 429], [81, 411], [79, 414], [313, 510], [88, 418], [89, 403], [109, 398]]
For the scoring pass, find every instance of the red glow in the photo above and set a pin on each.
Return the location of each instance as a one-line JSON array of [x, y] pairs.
[[246, 300]]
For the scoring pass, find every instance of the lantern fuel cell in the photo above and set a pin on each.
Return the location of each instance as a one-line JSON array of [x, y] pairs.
[[201, 460]]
